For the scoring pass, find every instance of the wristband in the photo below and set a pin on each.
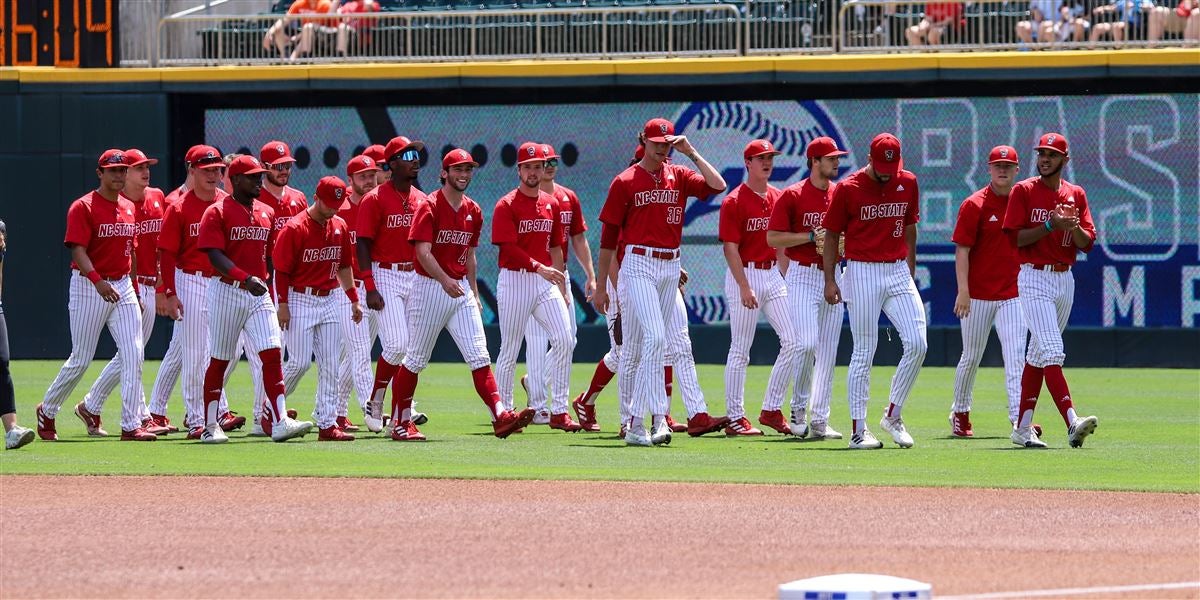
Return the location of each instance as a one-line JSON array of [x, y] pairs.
[[1048, 226], [366, 274], [369, 283], [93, 276], [352, 294], [238, 274], [812, 236]]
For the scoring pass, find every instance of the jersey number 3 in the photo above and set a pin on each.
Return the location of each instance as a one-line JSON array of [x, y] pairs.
[[899, 228]]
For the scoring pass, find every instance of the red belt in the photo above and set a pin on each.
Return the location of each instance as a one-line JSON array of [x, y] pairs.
[[1052, 267], [311, 291], [762, 264], [659, 254], [147, 280], [402, 266]]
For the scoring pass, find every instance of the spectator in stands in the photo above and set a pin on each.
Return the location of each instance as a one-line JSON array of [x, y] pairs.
[[1183, 19], [311, 26], [284, 31], [939, 18], [1119, 20], [349, 25], [1043, 27]]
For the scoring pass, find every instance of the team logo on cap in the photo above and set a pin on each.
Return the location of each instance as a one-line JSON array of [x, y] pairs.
[[1050, 138], [255, 161], [115, 159], [337, 193], [1004, 153], [889, 155], [532, 151], [663, 127], [766, 145], [367, 161], [279, 148], [210, 154], [546, 150]]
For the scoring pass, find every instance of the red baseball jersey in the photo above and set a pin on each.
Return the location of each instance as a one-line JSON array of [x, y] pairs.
[[349, 214], [744, 219], [800, 209], [149, 214], [571, 213], [649, 207], [106, 230], [451, 232], [175, 195], [993, 257], [533, 223], [244, 233], [311, 253], [385, 216], [181, 233], [291, 204], [873, 215], [1030, 203]]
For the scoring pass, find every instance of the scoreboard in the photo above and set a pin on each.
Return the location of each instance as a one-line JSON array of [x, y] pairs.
[[59, 33]]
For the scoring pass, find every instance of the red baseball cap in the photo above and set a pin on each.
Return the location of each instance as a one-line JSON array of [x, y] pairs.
[[548, 152], [759, 148], [275, 152], [361, 163], [822, 147], [204, 157], [331, 191], [1053, 141], [375, 151], [136, 157], [1003, 154], [885, 154], [458, 156], [245, 165], [399, 144], [658, 129], [530, 152], [112, 159]]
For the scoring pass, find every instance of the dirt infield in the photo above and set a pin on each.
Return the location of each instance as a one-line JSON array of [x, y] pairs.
[[277, 537]]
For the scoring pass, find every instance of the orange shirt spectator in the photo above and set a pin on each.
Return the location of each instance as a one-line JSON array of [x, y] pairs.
[[307, 7]]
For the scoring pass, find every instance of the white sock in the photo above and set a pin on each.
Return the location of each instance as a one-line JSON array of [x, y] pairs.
[[1071, 416]]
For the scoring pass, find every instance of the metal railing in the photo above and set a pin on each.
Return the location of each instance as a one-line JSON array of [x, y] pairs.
[[445, 35], [790, 26]]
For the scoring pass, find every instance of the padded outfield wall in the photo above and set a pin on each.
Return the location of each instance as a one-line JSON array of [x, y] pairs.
[[1135, 147]]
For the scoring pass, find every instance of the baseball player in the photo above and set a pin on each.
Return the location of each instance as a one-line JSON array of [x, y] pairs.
[[15, 436], [574, 227], [377, 153], [445, 231], [149, 204], [172, 362], [877, 209], [102, 236], [384, 221], [753, 284], [1051, 222], [795, 227], [528, 229], [237, 234], [312, 258], [644, 210], [985, 263]]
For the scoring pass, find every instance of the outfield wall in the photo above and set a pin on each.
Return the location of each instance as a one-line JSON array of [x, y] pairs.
[[1134, 138]]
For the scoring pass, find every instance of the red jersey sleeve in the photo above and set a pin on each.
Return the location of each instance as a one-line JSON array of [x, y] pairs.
[[615, 204], [558, 236], [781, 215], [730, 227], [692, 184], [578, 223], [967, 226], [1085, 219], [212, 230], [348, 257], [504, 228], [171, 235], [369, 217], [284, 252], [79, 225], [478, 212], [836, 217], [422, 224], [913, 214]]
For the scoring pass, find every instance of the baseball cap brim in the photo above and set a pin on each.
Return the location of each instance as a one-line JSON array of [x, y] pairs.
[[1003, 160], [835, 153], [115, 166], [659, 139], [145, 161], [365, 169], [1048, 147], [281, 160], [887, 168]]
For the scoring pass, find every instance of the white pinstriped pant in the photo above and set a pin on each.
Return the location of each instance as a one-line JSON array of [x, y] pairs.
[[522, 297], [90, 314], [871, 287], [679, 355], [772, 295], [1009, 321], [315, 329], [537, 348], [1046, 300], [819, 325], [110, 376], [396, 289], [192, 291], [168, 371], [234, 311], [648, 288], [433, 310], [354, 369]]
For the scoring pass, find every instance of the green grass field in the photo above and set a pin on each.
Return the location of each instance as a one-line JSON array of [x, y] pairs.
[[1148, 439]]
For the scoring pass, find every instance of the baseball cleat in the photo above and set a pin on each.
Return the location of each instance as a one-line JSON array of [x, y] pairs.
[[1080, 429], [508, 422], [633, 438], [195, 433], [231, 421], [137, 435], [407, 432], [261, 428], [1026, 437], [345, 424], [675, 426], [45, 426], [149, 425], [622, 430], [865, 440], [1036, 428], [334, 434], [896, 428], [289, 428], [18, 436], [960, 425], [91, 421], [586, 414], [163, 421], [774, 419], [702, 424], [661, 434], [419, 418], [213, 434], [372, 424], [741, 427], [563, 422], [541, 417], [822, 431]]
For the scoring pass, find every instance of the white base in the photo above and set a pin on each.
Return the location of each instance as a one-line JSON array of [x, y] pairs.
[[854, 586]]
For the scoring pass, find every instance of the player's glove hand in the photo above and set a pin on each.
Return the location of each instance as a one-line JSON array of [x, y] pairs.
[[618, 337], [819, 239], [375, 300], [255, 286]]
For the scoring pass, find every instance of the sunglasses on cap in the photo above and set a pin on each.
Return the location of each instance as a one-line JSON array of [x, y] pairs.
[[208, 161], [407, 155], [552, 163], [283, 166]]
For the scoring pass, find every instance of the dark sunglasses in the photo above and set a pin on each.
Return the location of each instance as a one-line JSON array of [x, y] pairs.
[[407, 156], [552, 163], [285, 166], [208, 161], [384, 167]]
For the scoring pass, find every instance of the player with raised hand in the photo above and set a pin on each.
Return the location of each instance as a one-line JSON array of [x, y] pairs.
[[528, 229], [237, 234], [877, 209], [445, 295], [312, 260], [102, 237], [644, 210], [1051, 221]]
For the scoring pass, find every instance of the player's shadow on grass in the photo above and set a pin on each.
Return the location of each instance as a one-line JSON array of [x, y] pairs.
[[1016, 448]]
